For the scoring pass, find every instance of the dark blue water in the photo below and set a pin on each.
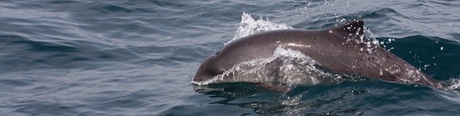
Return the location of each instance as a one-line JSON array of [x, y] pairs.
[[137, 57]]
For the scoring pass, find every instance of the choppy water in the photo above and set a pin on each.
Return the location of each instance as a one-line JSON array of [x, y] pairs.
[[126, 57]]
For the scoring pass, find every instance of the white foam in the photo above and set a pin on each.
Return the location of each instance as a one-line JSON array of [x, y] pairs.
[[249, 26], [454, 84]]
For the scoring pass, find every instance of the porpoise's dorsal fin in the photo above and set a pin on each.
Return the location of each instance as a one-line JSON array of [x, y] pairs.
[[352, 27]]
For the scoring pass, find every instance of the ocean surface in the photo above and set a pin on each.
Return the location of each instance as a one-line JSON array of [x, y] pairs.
[[138, 57]]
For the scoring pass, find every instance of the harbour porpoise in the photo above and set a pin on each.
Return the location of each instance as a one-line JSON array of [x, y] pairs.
[[343, 49]]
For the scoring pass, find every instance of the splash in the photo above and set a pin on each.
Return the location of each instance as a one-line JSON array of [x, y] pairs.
[[249, 26], [453, 84]]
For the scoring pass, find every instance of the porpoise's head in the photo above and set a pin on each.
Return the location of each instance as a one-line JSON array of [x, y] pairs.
[[207, 70]]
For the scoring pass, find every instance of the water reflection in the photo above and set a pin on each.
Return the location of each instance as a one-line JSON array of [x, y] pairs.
[[302, 100]]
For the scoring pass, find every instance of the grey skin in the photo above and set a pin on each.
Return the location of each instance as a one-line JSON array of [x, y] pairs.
[[342, 49]]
